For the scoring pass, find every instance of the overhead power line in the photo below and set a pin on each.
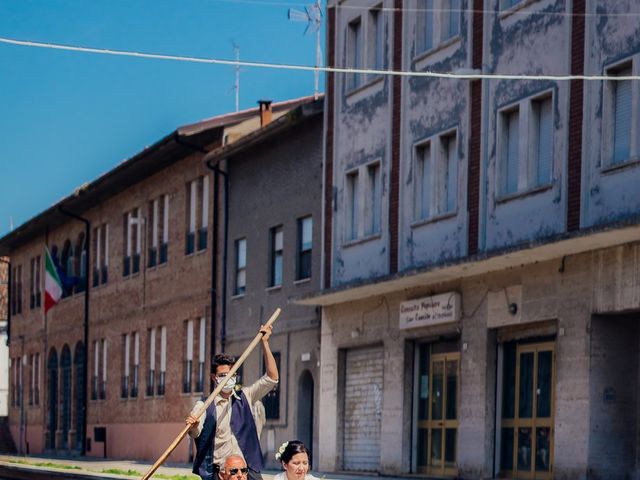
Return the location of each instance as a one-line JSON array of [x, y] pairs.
[[462, 74], [515, 11]]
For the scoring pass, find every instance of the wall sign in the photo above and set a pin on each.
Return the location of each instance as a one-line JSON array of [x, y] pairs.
[[427, 311]]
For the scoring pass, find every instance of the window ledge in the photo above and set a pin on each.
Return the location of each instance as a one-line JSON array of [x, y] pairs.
[[238, 296], [512, 10], [358, 241], [617, 167], [367, 85], [434, 219], [524, 193], [302, 281], [273, 288], [419, 60]]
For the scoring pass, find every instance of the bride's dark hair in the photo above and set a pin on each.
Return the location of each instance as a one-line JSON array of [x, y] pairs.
[[293, 448]]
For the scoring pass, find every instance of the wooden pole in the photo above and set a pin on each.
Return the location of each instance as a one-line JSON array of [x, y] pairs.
[[211, 397]]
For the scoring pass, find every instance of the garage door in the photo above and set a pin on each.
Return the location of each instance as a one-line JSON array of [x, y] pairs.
[[363, 409]]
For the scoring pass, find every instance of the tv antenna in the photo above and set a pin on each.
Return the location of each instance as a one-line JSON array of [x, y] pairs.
[[313, 16]]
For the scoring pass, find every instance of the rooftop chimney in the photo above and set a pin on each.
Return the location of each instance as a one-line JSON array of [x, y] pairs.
[[265, 112]]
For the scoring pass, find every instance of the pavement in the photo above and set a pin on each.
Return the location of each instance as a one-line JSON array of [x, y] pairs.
[[37, 466]]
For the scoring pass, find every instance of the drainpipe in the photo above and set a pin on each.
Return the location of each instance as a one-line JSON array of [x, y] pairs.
[[85, 360], [8, 264], [223, 308]]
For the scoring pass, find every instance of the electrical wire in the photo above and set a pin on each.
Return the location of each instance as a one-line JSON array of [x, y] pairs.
[[459, 75], [514, 11]]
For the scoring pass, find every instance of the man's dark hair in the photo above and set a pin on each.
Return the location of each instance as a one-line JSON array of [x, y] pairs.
[[221, 359]]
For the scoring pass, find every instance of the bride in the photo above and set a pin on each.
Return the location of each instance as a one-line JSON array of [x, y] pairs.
[[294, 457]]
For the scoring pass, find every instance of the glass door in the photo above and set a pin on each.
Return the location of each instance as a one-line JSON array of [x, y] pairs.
[[527, 411], [438, 417]]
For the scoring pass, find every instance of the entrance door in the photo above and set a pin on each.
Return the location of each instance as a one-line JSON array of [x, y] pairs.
[[527, 411], [438, 431]]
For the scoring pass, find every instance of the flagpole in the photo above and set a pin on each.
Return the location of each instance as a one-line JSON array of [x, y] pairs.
[[211, 397]]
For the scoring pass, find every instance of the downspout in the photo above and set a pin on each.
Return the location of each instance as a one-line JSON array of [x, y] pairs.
[[85, 360], [8, 264], [223, 307]]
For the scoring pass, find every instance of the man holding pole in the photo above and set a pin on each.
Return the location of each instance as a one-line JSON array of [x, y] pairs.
[[228, 427]]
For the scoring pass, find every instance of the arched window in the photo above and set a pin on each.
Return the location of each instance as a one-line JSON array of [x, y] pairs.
[[65, 392], [52, 404], [80, 392]]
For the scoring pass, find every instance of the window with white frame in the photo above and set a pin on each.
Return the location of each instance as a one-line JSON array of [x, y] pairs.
[[372, 204], [354, 53], [241, 267], [158, 231], [136, 365], [305, 243], [16, 290], [163, 360], [621, 121], [101, 254], [436, 22], [36, 378], [96, 370], [188, 360], [197, 214], [100, 355], [132, 239], [276, 241], [151, 374], [126, 349], [525, 145], [202, 345], [352, 205], [435, 182]]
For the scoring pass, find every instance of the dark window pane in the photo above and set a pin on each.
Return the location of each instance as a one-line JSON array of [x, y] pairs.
[[545, 360], [524, 449], [202, 239], [450, 446], [136, 263], [271, 401], [163, 253], [436, 447], [436, 391], [452, 390], [525, 408], [190, 240], [543, 451], [126, 266], [422, 447], [509, 380], [152, 257], [506, 449]]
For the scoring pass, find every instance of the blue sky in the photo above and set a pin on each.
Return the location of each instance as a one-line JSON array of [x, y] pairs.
[[66, 118]]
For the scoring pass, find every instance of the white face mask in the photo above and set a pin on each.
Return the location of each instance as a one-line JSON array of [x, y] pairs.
[[229, 386]]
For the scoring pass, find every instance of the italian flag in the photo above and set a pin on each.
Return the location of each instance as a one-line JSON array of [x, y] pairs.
[[52, 283]]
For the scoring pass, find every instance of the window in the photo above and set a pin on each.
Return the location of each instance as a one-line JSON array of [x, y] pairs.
[[35, 295], [436, 22], [126, 340], [132, 230], [201, 354], [101, 255], [354, 53], [32, 372], [619, 123], [99, 385], [275, 271], [376, 38], [525, 145], [16, 290], [158, 231], [163, 360], [241, 267], [197, 214], [422, 196], [136, 364], [271, 400], [372, 205], [188, 361], [80, 261], [436, 177], [352, 205], [35, 379], [305, 241], [152, 362], [507, 4]]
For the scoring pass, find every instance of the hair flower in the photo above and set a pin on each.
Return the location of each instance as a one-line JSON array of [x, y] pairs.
[[281, 450]]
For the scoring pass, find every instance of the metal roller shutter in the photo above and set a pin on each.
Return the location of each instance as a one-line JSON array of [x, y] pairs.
[[363, 408]]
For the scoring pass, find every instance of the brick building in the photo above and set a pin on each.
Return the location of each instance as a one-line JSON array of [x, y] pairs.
[[480, 304], [4, 351], [145, 266]]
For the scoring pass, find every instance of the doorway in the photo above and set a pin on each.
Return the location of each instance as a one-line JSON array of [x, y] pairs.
[[305, 409], [437, 389], [526, 427]]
